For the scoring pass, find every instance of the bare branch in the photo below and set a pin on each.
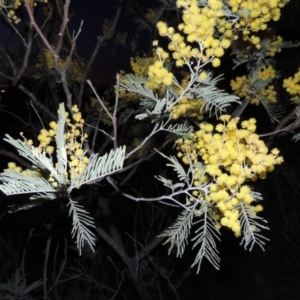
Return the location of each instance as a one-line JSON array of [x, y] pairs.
[[63, 27], [99, 43], [112, 117], [18, 76], [37, 102]]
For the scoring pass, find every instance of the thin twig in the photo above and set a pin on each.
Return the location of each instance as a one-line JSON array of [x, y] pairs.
[[97, 129], [47, 252], [155, 265], [36, 102], [39, 117], [10, 62], [25, 59], [98, 45], [61, 71], [64, 23]]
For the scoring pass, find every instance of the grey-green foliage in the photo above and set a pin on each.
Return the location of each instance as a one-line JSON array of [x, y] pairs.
[[251, 225], [206, 236], [17, 289], [254, 85], [214, 99], [296, 121], [255, 59], [201, 217], [15, 183], [196, 214], [258, 56]]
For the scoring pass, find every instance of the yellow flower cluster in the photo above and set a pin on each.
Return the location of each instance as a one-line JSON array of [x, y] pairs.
[[11, 166], [274, 46], [74, 69], [200, 26], [140, 65], [188, 107], [11, 6], [292, 85], [9, 10], [74, 147], [266, 73], [232, 157], [11, 14], [34, 2], [245, 88], [254, 16], [158, 74], [74, 144]]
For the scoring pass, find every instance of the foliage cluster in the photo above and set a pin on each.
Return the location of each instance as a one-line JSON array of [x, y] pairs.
[[172, 95]]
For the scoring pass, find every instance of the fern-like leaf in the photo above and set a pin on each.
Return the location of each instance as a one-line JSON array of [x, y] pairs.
[[81, 223], [206, 235], [178, 168], [215, 100], [177, 235], [240, 108], [98, 167], [135, 84], [15, 183], [36, 202], [60, 143], [251, 227], [38, 159], [182, 130], [16, 287], [275, 111]]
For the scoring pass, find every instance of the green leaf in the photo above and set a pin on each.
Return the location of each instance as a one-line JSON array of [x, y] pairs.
[[177, 235], [207, 234], [181, 174], [274, 110], [16, 183], [98, 167], [250, 225], [215, 100], [60, 143], [38, 159], [81, 222]]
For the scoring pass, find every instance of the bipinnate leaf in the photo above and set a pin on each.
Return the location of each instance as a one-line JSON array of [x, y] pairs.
[[98, 167]]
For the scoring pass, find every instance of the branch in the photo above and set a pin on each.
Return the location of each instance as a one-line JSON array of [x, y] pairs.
[[63, 27], [10, 62], [38, 30], [26, 57], [36, 102], [61, 71], [47, 252], [99, 43], [110, 241], [282, 123], [170, 197], [112, 117], [103, 203]]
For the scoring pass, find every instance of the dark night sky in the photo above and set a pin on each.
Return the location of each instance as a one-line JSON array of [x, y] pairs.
[[93, 13], [109, 61]]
